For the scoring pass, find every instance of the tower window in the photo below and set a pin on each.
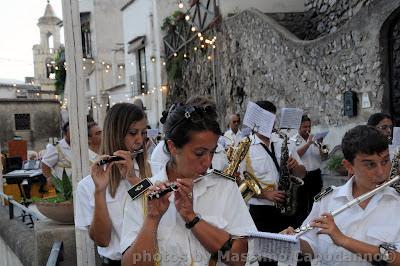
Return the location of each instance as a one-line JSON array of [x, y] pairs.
[[22, 121]]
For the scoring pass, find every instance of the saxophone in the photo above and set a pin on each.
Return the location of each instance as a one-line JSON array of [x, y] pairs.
[[287, 182], [249, 186], [394, 170]]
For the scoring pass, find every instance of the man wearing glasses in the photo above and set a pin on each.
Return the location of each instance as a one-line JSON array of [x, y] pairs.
[[383, 122]]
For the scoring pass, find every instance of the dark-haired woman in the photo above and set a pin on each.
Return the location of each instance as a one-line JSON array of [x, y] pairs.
[[202, 217], [101, 195]]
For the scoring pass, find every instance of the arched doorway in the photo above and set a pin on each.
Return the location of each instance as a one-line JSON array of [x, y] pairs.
[[390, 35]]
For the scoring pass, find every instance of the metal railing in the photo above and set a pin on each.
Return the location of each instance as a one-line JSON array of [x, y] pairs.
[[56, 254], [24, 209]]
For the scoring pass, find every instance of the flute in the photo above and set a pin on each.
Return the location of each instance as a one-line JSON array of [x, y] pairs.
[[114, 158], [158, 194], [304, 229]]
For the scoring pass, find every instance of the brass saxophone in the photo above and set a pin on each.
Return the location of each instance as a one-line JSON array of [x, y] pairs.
[[394, 170], [287, 182], [249, 186]]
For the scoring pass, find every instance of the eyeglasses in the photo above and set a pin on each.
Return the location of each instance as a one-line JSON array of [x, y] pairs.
[[385, 127], [194, 114]]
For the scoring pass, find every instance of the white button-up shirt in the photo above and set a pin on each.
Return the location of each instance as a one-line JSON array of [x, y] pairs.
[[216, 199], [379, 222], [85, 211], [231, 138], [52, 158], [311, 158], [263, 165], [160, 157]]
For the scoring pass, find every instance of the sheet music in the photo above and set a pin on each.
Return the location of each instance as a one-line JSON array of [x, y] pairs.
[[279, 247], [320, 135], [393, 149], [396, 136], [259, 120], [152, 132], [291, 118]]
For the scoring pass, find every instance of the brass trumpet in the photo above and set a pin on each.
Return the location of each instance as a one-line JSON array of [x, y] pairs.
[[323, 148]]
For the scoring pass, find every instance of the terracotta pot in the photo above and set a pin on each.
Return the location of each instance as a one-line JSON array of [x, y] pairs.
[[62, 212]]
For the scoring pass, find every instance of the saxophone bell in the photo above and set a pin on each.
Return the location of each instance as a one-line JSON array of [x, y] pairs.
[[249, 186]]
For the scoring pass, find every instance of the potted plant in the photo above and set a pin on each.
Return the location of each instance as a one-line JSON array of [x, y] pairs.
[[59, 208], [335, 164]]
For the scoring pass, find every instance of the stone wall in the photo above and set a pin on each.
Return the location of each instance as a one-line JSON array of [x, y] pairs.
[[44, 117], [320, 18], [256, 58], [327, 16]]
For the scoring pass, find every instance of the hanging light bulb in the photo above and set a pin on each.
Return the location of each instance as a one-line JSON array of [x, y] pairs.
[[187, 17], [180, 5], [193, 28]]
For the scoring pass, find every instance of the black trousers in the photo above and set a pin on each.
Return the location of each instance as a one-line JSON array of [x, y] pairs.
[[269, 219], [109, 262]]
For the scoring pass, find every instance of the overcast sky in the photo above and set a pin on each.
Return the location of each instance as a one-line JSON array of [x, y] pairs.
[[18, 33]]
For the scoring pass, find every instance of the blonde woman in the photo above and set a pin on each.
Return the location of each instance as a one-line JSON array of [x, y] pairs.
[[101, 195]]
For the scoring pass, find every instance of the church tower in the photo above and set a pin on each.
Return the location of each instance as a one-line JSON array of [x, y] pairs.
[[45, 52]]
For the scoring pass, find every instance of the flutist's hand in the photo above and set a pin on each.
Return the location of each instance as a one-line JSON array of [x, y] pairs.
[[101, 174], [157, 207], [125, 166], [328, 226], [310, 139], [288, 231], [184, 199]]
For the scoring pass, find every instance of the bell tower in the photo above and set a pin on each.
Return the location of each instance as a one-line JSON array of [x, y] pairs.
[[45, 52]]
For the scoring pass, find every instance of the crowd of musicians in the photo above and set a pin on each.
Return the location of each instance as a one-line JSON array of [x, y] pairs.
[[199, 217]]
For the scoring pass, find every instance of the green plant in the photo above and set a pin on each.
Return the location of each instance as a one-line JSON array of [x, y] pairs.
[[60, 71], [335, 162], [63, 187]]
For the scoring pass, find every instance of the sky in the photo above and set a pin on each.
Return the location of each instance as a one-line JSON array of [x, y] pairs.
[[18, 34]]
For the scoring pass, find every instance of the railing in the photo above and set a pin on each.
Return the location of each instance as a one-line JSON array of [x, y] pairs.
[[24, 209], [56, 254]]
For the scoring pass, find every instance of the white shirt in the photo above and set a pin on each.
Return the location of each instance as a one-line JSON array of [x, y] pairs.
[[379, 222], [263, 165], [85, 210], [216, 199], [311, 158], [232, 138], [160, 157], [52, 158]]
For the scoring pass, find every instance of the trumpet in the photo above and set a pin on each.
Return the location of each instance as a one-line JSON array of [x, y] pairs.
[[323, 148]]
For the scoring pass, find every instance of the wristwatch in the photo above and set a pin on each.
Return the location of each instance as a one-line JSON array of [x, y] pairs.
[[384, 250], [196, 219]]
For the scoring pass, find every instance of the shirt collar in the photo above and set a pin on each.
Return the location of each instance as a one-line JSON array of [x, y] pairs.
[[347, 191]]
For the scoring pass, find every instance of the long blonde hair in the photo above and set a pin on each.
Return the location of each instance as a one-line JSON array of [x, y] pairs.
[[116, 126]]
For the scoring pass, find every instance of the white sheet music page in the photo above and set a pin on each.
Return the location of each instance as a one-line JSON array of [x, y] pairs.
[[393, 149], [396, 136], [290, 118], [259, 120], [279, 247], [320, 135]]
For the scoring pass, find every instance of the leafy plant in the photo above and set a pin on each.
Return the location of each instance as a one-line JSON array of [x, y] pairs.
[[335, 162], [60, 71], [63, 187]]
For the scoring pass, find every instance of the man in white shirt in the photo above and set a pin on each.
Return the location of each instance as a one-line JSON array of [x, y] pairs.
[[58, 157], [263, 160], [360, 235], [233, 135], [94, 141], [311, 157]]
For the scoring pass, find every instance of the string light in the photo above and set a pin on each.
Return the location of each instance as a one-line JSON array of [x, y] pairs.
[[193, 28], [180, 5], [187, 17]]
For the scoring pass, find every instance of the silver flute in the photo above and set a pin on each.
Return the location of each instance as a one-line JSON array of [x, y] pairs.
[[159, 193], [114, 158], [304, 229]]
